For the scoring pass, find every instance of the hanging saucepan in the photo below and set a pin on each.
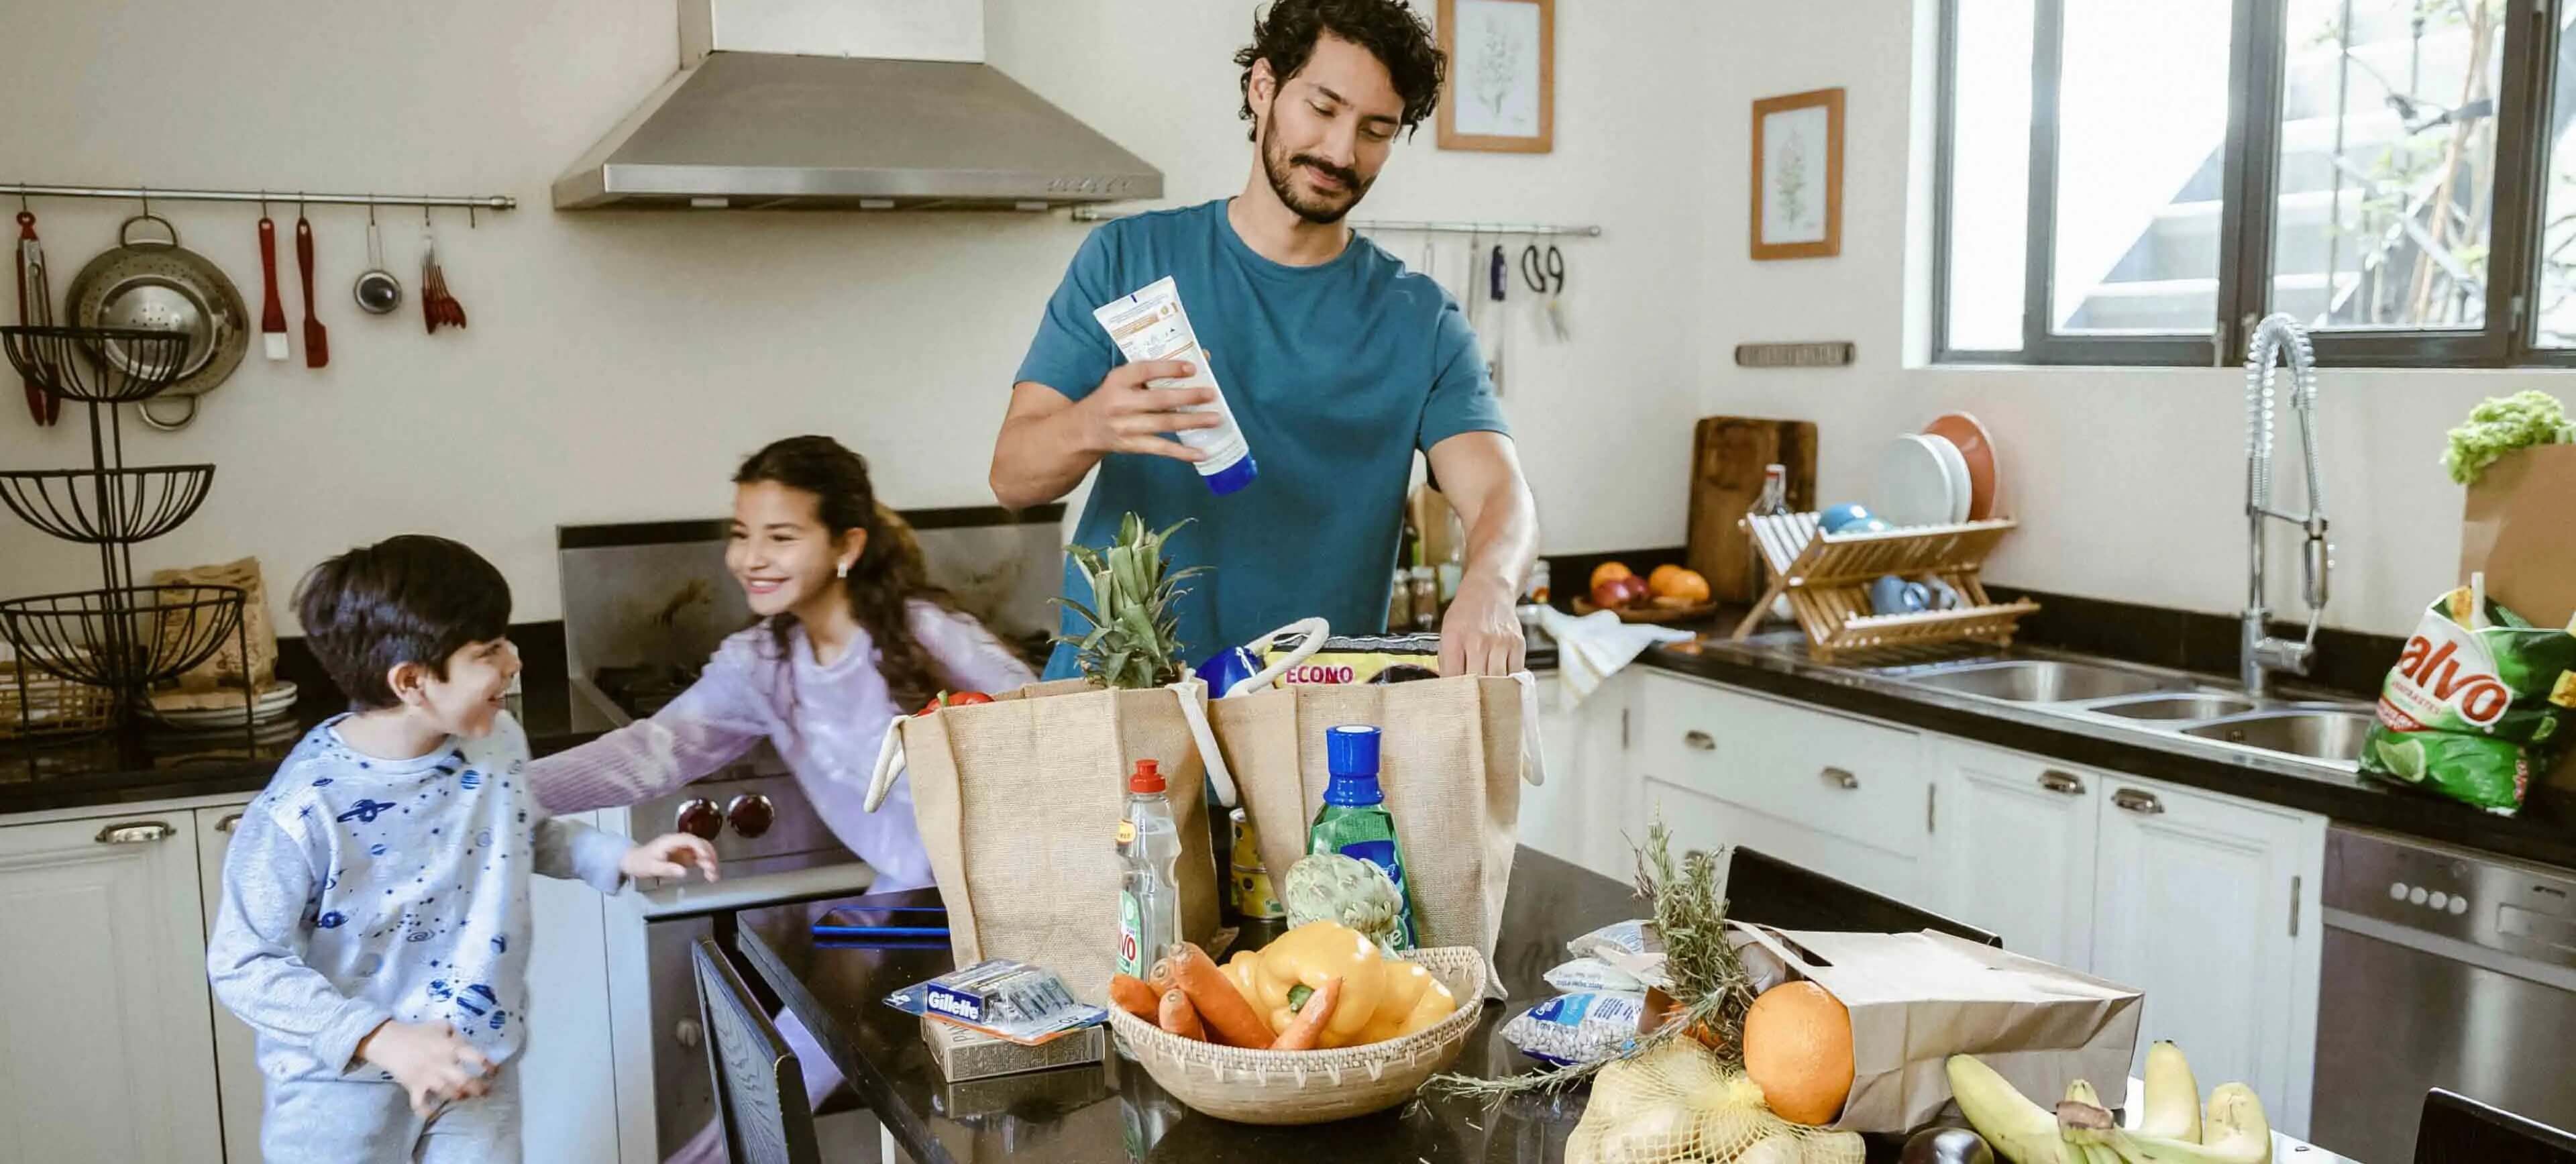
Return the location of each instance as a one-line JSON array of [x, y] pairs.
[[162, 285]]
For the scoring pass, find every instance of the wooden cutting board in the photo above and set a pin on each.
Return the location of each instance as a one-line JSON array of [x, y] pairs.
[[1727, 460]]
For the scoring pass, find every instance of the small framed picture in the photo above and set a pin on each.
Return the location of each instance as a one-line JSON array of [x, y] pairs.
[[1501, 94], [1798, 176]]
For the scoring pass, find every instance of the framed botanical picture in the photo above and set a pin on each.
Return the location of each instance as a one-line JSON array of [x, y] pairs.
[[1798, 176], [1502, 75]]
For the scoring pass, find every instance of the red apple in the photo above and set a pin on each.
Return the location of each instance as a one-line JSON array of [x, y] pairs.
[[1618, 593]]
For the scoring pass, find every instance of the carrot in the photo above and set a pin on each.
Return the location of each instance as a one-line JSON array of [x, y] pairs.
[[1129, 993], [1160, 977], [1301, 1034], [1179, 1018], [1216, 998]]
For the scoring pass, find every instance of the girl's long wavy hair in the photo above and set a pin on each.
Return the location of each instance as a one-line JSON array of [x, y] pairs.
[[889, 575]]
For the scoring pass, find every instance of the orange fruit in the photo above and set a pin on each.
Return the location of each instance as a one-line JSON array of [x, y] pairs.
[[1661, 581], [1798, 1047], [1608, 571], [1688, 585]]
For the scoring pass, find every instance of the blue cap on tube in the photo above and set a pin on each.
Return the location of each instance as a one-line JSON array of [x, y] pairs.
[[1232, 477], [1350, 757]]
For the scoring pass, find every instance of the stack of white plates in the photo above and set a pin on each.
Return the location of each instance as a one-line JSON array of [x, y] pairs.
[[1922, 480], [271, 704]]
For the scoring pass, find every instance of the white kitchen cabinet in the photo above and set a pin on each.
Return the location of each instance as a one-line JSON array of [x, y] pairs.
[[2014, 848], [107, 1015], [1845, 797], [239, 1087], [1579, 814], [2208, 904]]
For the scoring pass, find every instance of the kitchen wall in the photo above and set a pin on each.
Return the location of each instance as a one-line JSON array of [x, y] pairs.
[[617, 364], [2129, 482]]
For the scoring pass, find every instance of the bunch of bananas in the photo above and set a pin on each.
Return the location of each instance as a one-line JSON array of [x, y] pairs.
[[2171, 1130]]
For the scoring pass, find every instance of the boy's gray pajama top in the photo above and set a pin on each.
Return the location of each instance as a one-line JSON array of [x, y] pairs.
[[359, 890]]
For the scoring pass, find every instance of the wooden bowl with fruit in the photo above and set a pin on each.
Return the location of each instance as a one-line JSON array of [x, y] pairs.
[[1667, 594]]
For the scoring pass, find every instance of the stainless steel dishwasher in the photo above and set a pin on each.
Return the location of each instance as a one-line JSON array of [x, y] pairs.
[[2443, 968]]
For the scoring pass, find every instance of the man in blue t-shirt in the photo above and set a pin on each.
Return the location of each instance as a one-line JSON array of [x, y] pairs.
[[1337, 362]]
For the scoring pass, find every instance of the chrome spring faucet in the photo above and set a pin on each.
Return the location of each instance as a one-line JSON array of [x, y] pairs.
[[2279, 336]]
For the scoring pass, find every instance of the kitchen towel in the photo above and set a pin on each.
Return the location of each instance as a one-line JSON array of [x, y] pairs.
[[1592, 648]]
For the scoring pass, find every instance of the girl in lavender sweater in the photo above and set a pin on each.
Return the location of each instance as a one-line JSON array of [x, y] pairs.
[[851, 635]]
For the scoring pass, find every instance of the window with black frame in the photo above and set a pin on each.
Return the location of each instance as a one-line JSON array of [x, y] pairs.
[[2126, 182]]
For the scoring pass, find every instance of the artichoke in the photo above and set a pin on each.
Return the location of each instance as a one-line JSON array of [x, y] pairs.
[[1346, 890]]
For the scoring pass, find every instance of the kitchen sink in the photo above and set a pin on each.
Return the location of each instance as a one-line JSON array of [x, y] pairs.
[[2042, 681], [2313, 733], [2182, 706]]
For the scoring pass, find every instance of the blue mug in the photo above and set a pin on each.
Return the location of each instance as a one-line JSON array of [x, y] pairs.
[[1893, 595], [1833, 518]]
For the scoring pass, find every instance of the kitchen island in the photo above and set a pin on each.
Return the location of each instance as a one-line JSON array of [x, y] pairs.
[[1115, 1114]]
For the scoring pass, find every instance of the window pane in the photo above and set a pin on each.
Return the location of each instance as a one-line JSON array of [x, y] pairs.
[[1989, 139], [2141, 144], [2388, 146], [2556, 306]]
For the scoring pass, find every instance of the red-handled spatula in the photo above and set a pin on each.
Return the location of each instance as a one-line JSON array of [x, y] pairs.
[[317, 339], [272, 314]]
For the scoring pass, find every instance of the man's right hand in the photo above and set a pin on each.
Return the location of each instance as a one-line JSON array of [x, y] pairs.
[[428, 1060], [1123, 415]]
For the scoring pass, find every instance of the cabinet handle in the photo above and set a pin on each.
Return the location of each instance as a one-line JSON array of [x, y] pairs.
[[2065, 784], [1840, 778], [226, 825], [2141, 803], [1699, 741], [136, 832]]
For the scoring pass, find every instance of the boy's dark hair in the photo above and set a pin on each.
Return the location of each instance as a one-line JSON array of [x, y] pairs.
[[408, 599], [1389, 29]]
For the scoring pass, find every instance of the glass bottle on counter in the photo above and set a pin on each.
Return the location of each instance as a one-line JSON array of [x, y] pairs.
[[1149, 887], [1774, 502], [1399, 603], [1426, 601]]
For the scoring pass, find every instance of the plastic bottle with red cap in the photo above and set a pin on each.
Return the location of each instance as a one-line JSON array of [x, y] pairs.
[[1149, 888]]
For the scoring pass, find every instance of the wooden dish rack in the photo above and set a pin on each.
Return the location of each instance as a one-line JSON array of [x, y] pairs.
[[1827, 576]]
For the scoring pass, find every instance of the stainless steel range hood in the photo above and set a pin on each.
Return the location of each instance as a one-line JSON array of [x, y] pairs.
[[858, 104]]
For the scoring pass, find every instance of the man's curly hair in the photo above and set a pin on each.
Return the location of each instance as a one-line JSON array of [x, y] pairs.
[[1389, 29]]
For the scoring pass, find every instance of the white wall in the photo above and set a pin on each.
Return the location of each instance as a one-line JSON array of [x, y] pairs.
[[619, 363], [2129, 483]]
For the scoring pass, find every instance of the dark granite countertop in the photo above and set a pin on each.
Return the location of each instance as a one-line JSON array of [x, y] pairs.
[[148, 762], [2544, 833], [1113, 1113]]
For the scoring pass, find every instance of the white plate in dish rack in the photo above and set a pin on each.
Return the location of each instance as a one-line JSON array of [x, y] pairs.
[[1914, 483]]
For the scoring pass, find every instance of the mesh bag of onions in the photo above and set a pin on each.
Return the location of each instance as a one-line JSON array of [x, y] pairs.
[[1674, 1102]]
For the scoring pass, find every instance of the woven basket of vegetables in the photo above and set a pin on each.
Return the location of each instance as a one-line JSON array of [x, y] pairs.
[[1391, 1041]]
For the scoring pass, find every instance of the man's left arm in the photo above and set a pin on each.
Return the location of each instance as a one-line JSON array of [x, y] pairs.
[[1480, 474]]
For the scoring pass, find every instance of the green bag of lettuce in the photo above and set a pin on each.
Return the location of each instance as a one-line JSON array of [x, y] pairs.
[[2475, 705]]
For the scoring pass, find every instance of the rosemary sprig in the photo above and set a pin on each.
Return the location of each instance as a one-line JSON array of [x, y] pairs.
[[1700, 963]]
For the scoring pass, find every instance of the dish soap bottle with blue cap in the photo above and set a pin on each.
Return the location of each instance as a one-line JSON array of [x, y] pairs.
[[1354, 821]]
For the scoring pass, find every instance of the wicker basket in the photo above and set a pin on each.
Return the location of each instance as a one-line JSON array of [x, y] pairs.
[[1311, 1087], [55, 706]]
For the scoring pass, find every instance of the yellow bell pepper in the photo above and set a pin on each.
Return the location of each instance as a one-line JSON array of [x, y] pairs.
[[1244, 971], [1382, 998], [1311, 955]]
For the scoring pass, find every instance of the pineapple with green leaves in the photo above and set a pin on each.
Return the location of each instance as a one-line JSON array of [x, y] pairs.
[[1134, 640]]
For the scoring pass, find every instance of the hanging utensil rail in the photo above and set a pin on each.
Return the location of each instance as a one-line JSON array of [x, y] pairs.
[[469, 202], [1396, 226]]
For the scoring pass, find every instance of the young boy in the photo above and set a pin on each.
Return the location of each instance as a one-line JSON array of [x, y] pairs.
[[374, 928]]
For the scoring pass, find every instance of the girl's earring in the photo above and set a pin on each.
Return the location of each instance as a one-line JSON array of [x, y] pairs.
[[841, 571]]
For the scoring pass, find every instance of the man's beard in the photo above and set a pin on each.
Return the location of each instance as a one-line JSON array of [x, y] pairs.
[[1280, 167]]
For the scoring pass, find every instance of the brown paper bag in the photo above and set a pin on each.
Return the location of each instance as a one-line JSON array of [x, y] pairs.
[[1018, 802], [1451, 762], [2516, 527], [226, 670], [1917, 999]]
